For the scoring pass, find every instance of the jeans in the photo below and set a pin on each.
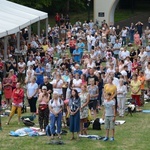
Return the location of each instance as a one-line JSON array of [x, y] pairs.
[[89, 45], [121, 105], [131, 37], [123, 41], [53, 120]]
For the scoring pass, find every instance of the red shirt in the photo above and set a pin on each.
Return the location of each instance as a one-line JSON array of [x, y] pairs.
[[18, 96], [57, 18], [72, 43]]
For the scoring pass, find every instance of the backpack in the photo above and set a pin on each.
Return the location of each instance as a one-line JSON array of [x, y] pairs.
[[96, 124], [28, 123], [53, 101]]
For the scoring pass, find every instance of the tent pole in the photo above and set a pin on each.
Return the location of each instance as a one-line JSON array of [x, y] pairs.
[[5, 53], [18, 41], [29, 34], [46, 27], [38, 28], [5, 48]]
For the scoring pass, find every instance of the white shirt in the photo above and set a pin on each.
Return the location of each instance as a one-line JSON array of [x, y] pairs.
[[77, 83], [60, 82], [147, 74], [92, 65], [122, 90], [129, 64], [30, 63], [116, 81], [89, 39], [143, 56], [22, 65], [31, 89], [48, 67], [112, 39], [124, 73], [124, 33], [124, 54]]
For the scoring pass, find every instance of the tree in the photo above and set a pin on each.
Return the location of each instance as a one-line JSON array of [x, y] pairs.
[[37, 4]]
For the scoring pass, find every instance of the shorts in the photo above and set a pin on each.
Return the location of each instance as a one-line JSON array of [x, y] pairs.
[[93, 104], [109, 123]]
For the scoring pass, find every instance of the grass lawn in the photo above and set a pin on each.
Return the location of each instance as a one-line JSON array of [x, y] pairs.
[[133, 135]]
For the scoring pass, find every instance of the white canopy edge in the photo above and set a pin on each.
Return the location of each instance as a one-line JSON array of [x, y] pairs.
[[3, 33], [41, 14], [14, 17]]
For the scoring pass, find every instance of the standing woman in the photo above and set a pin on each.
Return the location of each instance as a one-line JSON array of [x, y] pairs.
[[13, 77], [93, 91], [74, 110], [21, 71], [100, 87], [32, 93], [43, 109], [121, 97], [17, 102], [84, 97], [77, 82], [7, 86], [56, 107], [57, 84], [39, 72], [136, 89], [137, 41]]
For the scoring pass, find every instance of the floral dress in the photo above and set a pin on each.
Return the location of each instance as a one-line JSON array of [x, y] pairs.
[[84, 111]]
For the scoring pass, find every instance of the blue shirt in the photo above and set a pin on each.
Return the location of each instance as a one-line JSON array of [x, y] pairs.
[[81, 46], [77, 71], [76, 55]]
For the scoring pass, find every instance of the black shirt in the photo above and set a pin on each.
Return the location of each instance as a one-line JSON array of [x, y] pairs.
[[49, 87], [90, 78]]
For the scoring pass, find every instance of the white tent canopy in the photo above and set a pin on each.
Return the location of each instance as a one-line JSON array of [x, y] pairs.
[[14, 17], [3, 33]]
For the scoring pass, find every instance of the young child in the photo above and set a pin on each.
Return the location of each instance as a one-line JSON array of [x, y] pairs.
[[109, 114]]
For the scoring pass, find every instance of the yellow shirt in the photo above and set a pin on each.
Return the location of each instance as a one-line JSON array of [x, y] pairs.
[[45, 47], [108, 88], [135, 86]]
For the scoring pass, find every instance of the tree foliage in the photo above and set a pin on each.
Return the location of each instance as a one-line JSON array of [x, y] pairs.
[[37, 4], [53, 6]]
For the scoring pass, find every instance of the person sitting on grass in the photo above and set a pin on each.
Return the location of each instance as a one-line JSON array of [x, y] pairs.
[[109, 114]]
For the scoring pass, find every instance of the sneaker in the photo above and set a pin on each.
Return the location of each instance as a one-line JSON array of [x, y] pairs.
[[105, 139], [112, 139]]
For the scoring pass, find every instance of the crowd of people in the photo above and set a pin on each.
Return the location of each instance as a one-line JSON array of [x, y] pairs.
[[75, 69]]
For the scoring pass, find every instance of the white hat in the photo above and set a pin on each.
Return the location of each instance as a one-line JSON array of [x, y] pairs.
[[44, 88]]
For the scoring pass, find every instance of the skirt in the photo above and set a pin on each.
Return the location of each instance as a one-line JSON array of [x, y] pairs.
[[75, 122]]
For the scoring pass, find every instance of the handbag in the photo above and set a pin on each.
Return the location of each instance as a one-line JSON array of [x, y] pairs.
[[43, 106]]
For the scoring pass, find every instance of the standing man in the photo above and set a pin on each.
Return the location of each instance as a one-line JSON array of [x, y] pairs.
[[81, 47], [139, 26], [76, 55], [48, 85], [57, 19], [72, 44], [116, 49]]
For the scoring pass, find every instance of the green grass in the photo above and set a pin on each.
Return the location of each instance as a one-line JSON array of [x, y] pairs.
[[133, 135], [122, 14]]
